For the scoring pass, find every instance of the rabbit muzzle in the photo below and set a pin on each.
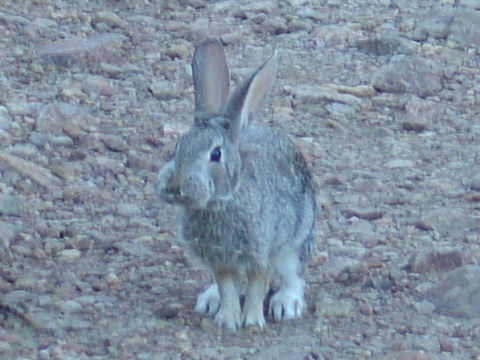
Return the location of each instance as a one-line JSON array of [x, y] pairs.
[[196, 191]]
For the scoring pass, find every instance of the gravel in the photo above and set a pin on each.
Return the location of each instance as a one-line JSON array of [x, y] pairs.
[[382, 97]]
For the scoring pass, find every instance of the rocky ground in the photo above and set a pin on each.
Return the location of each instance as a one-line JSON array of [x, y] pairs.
[[382, 96]]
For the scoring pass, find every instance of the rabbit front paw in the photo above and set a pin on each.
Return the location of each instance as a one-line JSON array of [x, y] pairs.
[[228, 316], [208, 301], [286, 304]]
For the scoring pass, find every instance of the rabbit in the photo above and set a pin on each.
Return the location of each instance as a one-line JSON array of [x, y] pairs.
[[246, 194]]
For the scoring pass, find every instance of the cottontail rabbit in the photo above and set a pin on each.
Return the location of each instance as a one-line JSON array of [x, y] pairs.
[[246, 193]]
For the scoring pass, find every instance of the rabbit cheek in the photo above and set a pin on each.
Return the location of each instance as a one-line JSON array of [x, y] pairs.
[[196, 190]]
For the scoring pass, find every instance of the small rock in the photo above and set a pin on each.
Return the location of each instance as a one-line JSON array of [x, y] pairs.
[[407, 74], [62, 172], [275, 25], [164, 90], [5, 118], [424, 307], [409, 355], [413, 126], [437, 25], [38, 139], [422, 109], [5, 348], [474, 183], [399, 163], [53, 118], [11, 205], [112, 70], [359, 91], [22, 108], [384, 44], [134, 248], [365, 309], [169, 311], [115, 166], [65, 141], [316, 94], [364, 214], [474, 4], [446, 345], [112, 279], [136, 160], [128, 209], [70, 254], [115, 143], [108, 18], [330, 307], [439, 260], [78, 48], [36, 173], [196, 4], [69, 306]]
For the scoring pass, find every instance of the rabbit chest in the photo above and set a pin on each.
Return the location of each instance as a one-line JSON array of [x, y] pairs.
[[222, 235]]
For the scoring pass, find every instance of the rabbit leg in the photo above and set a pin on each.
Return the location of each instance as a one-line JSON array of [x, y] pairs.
[[255, 293], [208, 301], [228, 314], [287, 303]]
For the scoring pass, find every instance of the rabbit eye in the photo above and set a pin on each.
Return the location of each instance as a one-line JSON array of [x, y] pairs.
[[216, 154]]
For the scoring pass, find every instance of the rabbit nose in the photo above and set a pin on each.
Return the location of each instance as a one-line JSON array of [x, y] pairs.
[[196, 189]]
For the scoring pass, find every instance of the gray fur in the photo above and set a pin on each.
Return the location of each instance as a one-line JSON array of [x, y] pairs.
[[256, 202]]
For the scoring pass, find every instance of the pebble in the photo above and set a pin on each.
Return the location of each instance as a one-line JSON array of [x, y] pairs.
[[77, 48], [383, 44], [399, 163], [109, 18], [331, 307], [39, 139], [164, 90], [424, 307], [115, 143], [419, 109], [113, 165], [316, 93], [69, 306], [70, 254], [275, 25], [128, 209], [437, 260], [11, 205], [474, 183], [5, 348], [5, 118]]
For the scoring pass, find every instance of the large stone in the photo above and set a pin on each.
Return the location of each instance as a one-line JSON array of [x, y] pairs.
[[406, 74], [465, 30], [458, 293]]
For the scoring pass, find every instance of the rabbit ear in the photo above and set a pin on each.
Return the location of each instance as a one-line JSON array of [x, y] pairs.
[[250, 95], [210, 79]]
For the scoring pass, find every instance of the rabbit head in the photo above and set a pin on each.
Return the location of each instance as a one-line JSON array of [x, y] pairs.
[[208, 157]]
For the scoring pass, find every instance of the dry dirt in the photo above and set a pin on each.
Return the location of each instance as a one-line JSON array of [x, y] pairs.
[[382, 96]]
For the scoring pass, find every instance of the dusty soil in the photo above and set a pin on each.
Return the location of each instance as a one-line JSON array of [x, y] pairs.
[[382, 96]]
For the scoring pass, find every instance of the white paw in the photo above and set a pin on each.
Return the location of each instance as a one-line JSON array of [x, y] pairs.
[[208, 301], [253, 319], [286, 304], [228, 317]]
